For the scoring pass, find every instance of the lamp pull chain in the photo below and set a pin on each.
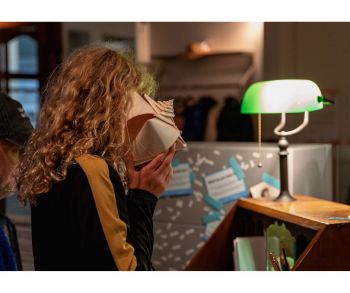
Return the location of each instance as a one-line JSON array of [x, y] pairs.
[[259, 140]]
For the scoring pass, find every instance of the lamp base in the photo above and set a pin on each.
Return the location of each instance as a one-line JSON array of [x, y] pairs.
[[284, 196]]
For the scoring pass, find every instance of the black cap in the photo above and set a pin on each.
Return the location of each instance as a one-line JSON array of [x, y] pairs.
[[15, 125]]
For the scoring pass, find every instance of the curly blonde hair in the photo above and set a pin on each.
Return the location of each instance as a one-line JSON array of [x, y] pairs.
[[84, 112]]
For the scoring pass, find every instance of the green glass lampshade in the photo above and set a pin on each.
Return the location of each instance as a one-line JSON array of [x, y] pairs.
[[282, 96]]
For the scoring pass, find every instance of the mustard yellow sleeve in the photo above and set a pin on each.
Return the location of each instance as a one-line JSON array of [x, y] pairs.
[[114, 229]]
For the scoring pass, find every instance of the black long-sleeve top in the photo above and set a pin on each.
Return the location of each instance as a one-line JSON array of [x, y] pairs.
[[86, 222]]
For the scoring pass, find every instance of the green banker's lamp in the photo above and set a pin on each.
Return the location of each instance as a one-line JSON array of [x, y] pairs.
[[281, 97]]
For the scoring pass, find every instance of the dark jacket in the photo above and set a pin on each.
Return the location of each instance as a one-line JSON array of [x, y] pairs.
[[7, 258], [86, 222]]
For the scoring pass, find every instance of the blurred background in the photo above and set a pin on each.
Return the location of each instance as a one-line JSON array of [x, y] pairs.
[[194, 60], [206, 67]]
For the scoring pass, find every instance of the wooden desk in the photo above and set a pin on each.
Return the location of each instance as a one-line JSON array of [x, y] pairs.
[[324, 243]]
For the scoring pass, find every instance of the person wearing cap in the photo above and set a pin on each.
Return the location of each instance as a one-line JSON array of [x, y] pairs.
[[90, 208], [15, 129]]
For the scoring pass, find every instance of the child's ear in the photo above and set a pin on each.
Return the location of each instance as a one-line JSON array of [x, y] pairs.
[[11, 151], [14, 155]]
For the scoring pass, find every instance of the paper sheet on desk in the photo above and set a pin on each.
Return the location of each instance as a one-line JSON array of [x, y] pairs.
[[225, 186], [264, 189]]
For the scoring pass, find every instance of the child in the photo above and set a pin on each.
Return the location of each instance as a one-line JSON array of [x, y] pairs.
[[76, 165]]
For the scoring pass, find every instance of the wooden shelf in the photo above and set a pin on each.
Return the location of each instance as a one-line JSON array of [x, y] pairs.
[[322, 243]]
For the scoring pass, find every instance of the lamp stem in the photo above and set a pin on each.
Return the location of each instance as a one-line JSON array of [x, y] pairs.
[[283, 153]]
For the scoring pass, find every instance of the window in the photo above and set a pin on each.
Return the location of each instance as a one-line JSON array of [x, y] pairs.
[[19, 72]]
